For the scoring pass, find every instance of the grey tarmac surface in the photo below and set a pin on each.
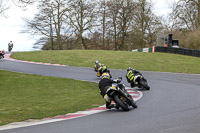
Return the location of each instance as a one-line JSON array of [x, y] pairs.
[[171, 106]]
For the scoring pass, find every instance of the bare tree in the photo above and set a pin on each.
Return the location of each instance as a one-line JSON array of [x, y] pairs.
[[42, 23], [145, 25], [103, 18], [128, 22], [186, 14], [114, 7], [4, 4], [185, 19], [141, 20], [121, 14], [49, 21], [22, 3], [82, 17], [58, 10], [126, 13], [111, 24], [3, 7]]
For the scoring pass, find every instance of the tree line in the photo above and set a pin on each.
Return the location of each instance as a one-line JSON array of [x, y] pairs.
[[185, 23], [99, 24], [109, 24]]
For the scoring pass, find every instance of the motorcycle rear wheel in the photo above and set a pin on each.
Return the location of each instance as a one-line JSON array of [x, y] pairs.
[[144, 84], [120, 103]]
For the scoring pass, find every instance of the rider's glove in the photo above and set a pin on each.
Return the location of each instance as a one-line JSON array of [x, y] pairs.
[[116, 80]]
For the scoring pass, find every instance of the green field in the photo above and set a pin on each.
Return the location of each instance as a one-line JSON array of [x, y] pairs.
[[162, 62], [24, 96]]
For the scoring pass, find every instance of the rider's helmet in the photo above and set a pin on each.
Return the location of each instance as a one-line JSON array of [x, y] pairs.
[[103, 69], [96, 62], [129, 68], [105, 75]]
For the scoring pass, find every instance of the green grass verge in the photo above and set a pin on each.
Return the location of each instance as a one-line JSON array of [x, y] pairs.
[[162, 62], [24, 96]]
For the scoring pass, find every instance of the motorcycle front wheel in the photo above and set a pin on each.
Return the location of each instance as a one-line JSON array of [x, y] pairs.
[[120, 103]]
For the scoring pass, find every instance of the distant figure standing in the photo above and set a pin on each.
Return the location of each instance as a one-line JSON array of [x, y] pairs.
[[10, 46]]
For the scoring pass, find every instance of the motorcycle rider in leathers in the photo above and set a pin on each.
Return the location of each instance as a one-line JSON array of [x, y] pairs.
[[100, 69], [97, 65], [131, 73], [2, 54], [105, 83]]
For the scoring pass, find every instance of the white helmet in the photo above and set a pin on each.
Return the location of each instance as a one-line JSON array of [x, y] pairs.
[[96, 62]]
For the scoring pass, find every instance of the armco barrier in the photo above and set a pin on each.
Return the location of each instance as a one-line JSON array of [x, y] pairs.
[[142, 50], [183, 51]]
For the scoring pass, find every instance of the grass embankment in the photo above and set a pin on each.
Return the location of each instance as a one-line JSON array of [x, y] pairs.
[[162, 62], [24, 96]]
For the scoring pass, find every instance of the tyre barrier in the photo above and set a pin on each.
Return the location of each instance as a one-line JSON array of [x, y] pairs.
[[182, 51]]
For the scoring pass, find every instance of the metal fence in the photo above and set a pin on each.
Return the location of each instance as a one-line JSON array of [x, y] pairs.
[[182, 51]]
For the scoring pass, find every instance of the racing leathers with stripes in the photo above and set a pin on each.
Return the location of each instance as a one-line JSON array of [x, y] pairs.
[[104, 84], [130, 76]]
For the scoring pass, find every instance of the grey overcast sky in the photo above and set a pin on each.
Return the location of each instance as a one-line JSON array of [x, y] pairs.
[[12, 25]]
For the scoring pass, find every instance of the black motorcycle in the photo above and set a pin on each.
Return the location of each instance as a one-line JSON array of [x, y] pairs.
[[140, 81], [121, 97], [2, 54]]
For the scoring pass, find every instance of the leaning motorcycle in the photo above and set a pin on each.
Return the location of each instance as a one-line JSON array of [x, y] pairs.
[[121, 97], [101, 70], [2, 54], [141, 82]]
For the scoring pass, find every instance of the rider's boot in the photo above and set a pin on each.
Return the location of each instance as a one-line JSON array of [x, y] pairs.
[[109, 105]]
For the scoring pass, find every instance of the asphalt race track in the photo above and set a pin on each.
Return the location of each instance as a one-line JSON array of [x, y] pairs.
[[171, 106]]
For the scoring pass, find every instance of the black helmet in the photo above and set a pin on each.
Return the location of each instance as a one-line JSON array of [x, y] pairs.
[[129, 68]]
